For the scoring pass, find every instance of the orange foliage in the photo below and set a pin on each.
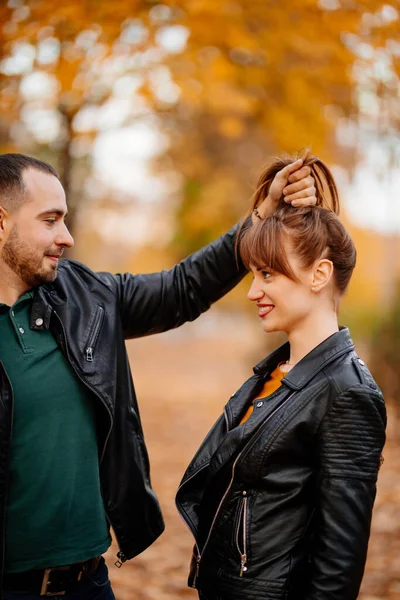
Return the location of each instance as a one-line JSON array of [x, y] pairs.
[[278, 74], [252, 79]]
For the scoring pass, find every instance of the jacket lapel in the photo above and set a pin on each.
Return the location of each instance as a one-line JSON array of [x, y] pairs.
[[228, 437]]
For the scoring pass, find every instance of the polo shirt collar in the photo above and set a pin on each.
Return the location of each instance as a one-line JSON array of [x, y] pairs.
[[41, 308], [26, 297]]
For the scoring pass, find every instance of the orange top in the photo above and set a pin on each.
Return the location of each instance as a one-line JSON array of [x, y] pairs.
[[270, 386]]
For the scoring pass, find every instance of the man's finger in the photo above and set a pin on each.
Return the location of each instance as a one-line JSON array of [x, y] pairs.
[[307, 193], [289, 169], [309, 201], [299, 185], [299, 174]]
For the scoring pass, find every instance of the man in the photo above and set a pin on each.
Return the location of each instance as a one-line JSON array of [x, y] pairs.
[[72, 455]]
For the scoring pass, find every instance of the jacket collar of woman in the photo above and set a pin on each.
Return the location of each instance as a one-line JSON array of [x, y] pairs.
[[334, 346]]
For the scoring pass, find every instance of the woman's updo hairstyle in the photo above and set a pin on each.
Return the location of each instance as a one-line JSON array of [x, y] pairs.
[[313, 232]]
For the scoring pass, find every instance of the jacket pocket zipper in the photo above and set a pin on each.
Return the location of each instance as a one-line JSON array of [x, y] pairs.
[[94, 333], [251, 441], [120, 555], [242, 521]]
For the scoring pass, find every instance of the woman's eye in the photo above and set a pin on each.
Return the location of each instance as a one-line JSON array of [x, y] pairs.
[[266, 274]]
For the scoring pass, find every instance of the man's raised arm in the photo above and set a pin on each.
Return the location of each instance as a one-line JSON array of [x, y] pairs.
[[157, 302]]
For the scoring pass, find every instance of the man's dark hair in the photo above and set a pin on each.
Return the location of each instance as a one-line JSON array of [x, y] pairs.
[[12, 187]]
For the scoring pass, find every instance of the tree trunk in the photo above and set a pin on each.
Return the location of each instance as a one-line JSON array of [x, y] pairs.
[[66, 170]]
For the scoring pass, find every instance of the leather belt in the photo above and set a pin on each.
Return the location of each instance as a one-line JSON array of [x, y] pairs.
[[54, 581]]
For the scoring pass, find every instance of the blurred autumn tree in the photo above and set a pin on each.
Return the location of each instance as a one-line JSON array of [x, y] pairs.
[[261, 77], [227, 83], [58, 68], [5, 15], [385, 344]]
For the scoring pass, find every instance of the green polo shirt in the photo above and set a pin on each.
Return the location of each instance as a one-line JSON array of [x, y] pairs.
[[55, 514]]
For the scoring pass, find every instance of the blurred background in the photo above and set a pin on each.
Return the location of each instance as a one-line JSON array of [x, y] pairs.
[[159, 117]]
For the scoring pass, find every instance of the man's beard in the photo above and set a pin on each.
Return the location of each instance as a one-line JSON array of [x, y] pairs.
[[25, 262]]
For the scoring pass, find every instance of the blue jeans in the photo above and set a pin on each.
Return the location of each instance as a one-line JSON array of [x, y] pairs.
[[95, 587]]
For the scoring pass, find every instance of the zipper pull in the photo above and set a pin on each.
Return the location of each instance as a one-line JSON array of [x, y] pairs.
[[243, 563], [122, 558], [89, 354], [196, 574]]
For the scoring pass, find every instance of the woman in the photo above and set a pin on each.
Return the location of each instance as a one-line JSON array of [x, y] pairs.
[[280, 494]]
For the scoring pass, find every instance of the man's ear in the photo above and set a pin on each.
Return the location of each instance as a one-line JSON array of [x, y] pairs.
[[4, 215], [322, 274]]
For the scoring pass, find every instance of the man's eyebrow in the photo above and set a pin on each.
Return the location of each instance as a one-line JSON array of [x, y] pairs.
[[53, 211]]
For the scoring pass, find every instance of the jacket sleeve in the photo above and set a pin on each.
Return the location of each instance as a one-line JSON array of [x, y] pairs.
[[351, 439], [156, 302]]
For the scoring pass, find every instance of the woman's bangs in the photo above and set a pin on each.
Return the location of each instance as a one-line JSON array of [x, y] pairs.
[[263, 247]]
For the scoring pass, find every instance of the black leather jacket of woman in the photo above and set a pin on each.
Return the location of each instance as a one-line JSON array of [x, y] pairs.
[[91, 315], [291, 489]]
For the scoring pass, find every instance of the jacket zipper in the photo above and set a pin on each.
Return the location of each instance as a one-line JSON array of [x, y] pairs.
[[200, 554], [242, 520], [92, 389], [5, 493], [94, 334], [121, 556]]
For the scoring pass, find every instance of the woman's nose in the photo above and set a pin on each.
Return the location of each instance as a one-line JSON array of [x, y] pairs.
[[255, 292]]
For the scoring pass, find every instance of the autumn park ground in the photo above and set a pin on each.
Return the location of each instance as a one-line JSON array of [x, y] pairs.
[[183, 379]]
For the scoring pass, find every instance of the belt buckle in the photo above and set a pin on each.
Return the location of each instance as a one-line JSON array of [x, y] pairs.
[[46, 582]]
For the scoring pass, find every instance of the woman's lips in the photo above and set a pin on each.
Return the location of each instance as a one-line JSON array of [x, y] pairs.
[[264, 309]]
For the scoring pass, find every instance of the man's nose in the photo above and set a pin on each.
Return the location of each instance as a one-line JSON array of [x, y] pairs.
[[255, 292], [64, 238]]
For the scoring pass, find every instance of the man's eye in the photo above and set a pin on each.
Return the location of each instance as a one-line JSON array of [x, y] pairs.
[[50, 221]]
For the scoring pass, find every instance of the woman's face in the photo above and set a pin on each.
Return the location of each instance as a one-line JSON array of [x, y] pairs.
[[283, 304]]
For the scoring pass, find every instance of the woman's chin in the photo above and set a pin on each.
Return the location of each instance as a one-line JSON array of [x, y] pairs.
[[269, 326]]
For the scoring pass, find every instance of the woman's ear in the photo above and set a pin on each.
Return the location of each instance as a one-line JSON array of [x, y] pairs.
[[322, 274]]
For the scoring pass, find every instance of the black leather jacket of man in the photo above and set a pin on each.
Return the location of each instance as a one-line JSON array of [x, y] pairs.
[[292, 518], [91, 315]]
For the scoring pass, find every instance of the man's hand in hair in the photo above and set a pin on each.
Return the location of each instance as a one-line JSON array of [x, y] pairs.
[[295, 183]]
